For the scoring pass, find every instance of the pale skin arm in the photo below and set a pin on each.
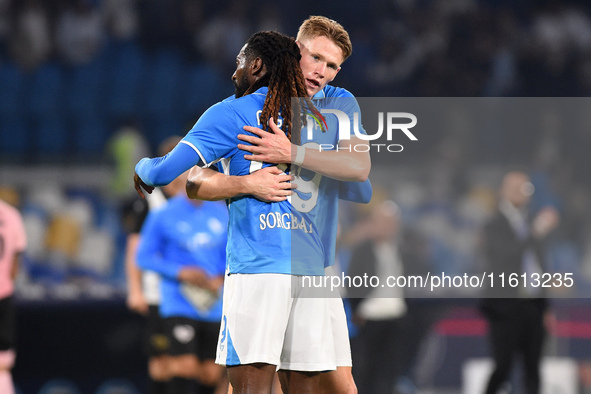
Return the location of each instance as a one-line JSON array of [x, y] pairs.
[[346, 164], [267, 184], [135, 296]]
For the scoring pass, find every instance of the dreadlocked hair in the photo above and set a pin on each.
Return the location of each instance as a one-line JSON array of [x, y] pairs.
[[281, 55]]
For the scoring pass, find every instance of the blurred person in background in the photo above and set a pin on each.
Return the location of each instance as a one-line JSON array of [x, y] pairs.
[[13, 242], [517, 316], [125, 147], [378, 311], [80, 32], [184, 241], [143, 287], [30, 34]]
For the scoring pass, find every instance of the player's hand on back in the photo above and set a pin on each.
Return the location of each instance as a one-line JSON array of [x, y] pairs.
[[270, 184], [271, 146], [139, 184]]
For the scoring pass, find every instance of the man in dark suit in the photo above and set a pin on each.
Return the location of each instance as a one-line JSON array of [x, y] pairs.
[[377, 311], [516, 315]]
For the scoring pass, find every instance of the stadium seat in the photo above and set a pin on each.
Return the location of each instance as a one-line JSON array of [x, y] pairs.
[[84, 85], [162, 82], [96, 252], [47, 89], [124, 71], [35, 228], [51, 135], [203, 86], [90, 134], [12, 81], [14, 135], [63, 237]]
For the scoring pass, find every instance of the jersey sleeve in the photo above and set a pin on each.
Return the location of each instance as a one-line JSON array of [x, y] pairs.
[[342, 100], [213, 137], [149, 252], [360, 192], [161, 171], [350, 106]]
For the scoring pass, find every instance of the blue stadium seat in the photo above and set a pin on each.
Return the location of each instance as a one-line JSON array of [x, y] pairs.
[[124, 71], [84, 88], [203, 86], [14, 135], [12, 82], [47, 88], [90, 134], [161, 82], [163, 126], [125, 67], [51, 136]]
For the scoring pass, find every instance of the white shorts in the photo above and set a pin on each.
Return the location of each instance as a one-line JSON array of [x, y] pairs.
[[340, 332], [263, 322]]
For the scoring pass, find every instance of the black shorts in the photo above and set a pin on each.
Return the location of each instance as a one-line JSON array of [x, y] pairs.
[[7, 324], [188, 336], [156, 339]]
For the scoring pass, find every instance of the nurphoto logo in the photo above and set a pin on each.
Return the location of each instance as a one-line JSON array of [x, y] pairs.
[[392, 123]]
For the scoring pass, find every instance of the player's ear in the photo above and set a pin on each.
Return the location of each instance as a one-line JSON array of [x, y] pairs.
[[335, 75], [257, 67]]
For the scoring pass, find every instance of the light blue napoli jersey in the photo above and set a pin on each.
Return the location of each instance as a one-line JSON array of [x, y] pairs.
[[328, 190], [261, 235], [182, 234]]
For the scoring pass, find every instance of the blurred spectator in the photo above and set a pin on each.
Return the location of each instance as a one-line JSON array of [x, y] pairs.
[[126, 147], [377, 310], [269, 18], [80, 32], [193, 21], [30, 38], [143, 286], [516, 315], [161, 23], [121, 18], [4, 23], [223, 35], [13, 242], [184, 241]]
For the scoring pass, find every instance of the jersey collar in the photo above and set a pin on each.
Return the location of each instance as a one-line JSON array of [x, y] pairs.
[[263, 90], [320, 94]]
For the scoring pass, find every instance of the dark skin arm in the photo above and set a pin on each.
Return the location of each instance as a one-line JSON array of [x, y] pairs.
[[139, 185], [268, 184]]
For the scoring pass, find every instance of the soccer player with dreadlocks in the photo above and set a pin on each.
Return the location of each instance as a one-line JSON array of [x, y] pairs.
[[265, 323]]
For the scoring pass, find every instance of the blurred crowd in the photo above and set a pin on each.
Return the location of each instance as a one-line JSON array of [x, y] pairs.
[[402, 47]]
